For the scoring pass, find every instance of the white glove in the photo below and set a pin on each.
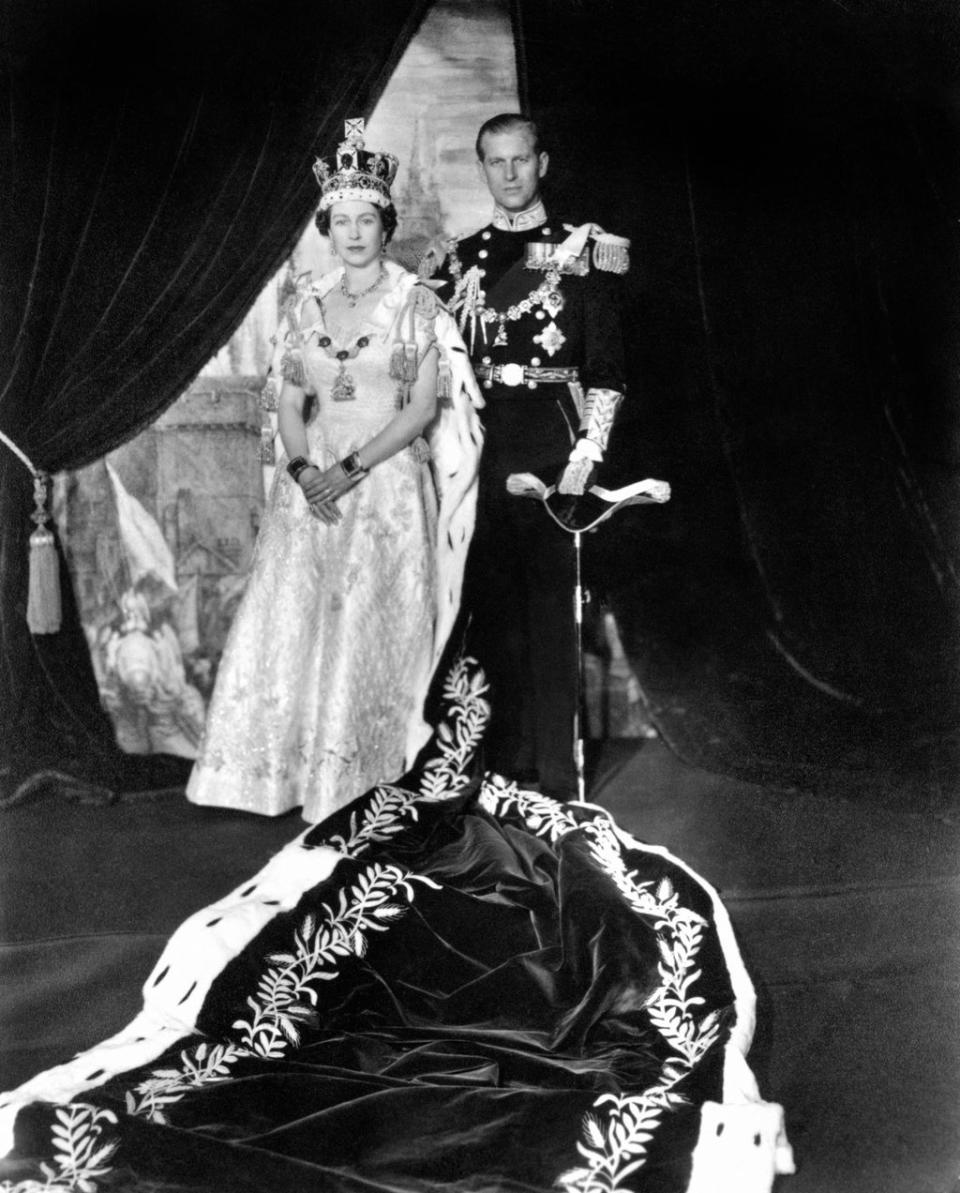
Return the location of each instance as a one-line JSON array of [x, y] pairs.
[[579, 468]]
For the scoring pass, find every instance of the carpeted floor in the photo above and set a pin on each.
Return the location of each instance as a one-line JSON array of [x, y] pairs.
[[847, 916]]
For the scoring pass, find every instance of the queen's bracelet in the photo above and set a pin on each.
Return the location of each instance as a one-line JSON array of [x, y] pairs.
[[352, 467], [297, 465]]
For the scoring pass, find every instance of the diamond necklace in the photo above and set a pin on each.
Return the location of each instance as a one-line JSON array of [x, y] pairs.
[[353, 299]]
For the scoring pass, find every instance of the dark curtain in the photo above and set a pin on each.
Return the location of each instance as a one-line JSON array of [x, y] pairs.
[[788, 173], [154, 172]]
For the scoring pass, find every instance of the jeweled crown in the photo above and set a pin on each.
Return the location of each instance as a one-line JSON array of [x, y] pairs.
[[354, 172]]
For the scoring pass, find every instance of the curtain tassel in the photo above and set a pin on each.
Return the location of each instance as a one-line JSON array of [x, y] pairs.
[[43, 594]]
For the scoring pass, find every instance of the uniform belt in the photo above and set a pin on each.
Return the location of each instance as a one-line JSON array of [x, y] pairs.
[[529, 375]]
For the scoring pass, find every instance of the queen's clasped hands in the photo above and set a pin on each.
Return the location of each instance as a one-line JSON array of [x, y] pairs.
[[323, 487]]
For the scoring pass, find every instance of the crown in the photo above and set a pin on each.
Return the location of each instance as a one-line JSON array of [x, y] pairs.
[[354, 172]]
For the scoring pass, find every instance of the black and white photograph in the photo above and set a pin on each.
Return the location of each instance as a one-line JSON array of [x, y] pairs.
[[480, 596]]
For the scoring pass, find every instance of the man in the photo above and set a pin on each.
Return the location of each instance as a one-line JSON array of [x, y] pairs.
[[538, 306]]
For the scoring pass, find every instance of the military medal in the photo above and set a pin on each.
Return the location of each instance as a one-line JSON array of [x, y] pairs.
[[552, 303], [551, 339], [470, 304]]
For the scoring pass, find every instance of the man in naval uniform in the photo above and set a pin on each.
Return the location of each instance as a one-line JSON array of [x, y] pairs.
[[538, 306]]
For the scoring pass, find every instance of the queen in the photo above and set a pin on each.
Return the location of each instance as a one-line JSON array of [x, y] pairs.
[[355, 581]]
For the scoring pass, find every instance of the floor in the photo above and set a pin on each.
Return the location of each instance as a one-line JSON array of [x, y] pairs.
[[848, 919], [847, 916]]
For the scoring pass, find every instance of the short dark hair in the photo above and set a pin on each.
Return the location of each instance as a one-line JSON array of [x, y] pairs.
[[505, 123], [388, 221]]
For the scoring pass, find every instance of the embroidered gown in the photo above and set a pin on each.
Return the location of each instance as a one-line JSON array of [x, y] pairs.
[[323, 676]]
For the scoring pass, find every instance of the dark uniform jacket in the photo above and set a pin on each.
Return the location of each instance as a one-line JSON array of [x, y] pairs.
[[579, 329], [521, 569]]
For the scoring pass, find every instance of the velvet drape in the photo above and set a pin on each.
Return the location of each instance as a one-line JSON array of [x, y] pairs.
[[154, 172], [790, 177]]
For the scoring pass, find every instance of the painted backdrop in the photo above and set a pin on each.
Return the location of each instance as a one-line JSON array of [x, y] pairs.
[[159, 535]]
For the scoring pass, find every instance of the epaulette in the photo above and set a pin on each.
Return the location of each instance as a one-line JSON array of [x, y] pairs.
[[454, 242], [610, 253], [434, 256]]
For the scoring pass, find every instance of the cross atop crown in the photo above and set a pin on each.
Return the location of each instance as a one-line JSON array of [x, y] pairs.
[[354, 172]]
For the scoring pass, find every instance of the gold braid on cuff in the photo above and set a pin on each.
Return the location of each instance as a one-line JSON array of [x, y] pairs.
[[599, 411]]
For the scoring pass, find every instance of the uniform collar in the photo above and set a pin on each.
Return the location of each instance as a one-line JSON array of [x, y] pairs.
[[520, 221]]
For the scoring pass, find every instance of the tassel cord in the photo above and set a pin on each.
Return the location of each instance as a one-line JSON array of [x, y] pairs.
[[44, 611], [40, 478], [20, 454]]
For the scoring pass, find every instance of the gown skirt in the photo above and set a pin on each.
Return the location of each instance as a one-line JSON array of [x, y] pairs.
[[334, 636]]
